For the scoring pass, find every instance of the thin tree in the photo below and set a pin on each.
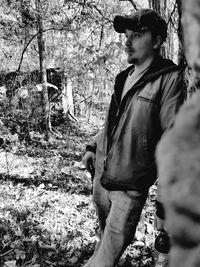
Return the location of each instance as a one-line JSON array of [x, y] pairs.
[[42, 60]]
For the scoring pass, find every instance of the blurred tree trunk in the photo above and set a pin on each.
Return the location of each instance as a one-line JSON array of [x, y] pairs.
[[178, 156], [191, 29], [42, 59]]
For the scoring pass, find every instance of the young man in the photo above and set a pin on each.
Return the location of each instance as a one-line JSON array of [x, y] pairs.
[[146, 98]]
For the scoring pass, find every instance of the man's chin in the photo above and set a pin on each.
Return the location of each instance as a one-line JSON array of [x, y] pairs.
[[131, 60]]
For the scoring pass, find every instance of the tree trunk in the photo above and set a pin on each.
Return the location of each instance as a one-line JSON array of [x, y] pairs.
[[191, 28], [181, 55], [178, 156], [155, 5], [67, 99], [42, 59], [160, 7]]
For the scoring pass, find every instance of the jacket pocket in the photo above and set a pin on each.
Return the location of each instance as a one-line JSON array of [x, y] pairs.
[[146, 99], [143, 153]]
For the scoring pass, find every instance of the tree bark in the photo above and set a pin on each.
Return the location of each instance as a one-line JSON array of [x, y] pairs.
[[67, 99], [178, 157], [181, 55], [160, 7], [42, 59], [191, 28], [155, 5]]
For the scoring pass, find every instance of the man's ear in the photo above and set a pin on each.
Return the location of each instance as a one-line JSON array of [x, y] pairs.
[[157, 42]]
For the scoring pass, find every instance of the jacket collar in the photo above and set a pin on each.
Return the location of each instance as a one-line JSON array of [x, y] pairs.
[[158, 67]]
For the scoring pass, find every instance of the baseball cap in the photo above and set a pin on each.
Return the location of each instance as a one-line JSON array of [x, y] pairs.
[[141, 21]]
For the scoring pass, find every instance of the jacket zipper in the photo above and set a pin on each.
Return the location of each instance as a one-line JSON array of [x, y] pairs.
[[123, 103], [117, 115]]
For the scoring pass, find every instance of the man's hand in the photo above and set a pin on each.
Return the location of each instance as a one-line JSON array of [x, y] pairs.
[[89, 162]]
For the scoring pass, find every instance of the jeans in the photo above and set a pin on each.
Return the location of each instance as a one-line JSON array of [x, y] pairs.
[[121, 215]]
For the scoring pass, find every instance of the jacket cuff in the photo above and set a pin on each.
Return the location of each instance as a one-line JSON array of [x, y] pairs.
[[160, 211], [91, 148]]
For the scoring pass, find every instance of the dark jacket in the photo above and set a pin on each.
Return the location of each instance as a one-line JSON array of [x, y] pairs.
[[125, 149]]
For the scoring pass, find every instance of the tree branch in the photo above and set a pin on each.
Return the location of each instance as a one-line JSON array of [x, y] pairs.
[[32, 38], [173, 11], [24, 50], [132, 3]]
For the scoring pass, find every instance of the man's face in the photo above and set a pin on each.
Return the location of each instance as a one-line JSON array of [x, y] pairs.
[[139, 47]]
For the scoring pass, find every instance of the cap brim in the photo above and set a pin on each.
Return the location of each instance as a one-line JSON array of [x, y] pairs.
[[121, 23]]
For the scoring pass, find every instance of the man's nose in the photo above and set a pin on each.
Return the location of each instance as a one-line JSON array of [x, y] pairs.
[[127, 43]]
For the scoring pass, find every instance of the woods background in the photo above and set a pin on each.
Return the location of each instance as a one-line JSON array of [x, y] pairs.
[[75, 42], [58, 60]]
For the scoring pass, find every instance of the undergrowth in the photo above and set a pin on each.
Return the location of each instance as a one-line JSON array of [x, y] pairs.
[[46, 213]]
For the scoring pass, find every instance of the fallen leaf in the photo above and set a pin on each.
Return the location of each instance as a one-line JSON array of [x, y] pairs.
[[73, 260], [10, 264]]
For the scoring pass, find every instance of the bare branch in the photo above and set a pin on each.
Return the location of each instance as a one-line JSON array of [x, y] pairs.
[[33, 37], [173, 11], [132, 3], [24, 50]]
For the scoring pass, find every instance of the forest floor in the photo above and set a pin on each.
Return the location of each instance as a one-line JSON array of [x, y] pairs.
[[46, 213]]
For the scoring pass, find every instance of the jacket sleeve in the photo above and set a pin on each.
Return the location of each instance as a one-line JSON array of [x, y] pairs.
[[92, 146], [171, 100]]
